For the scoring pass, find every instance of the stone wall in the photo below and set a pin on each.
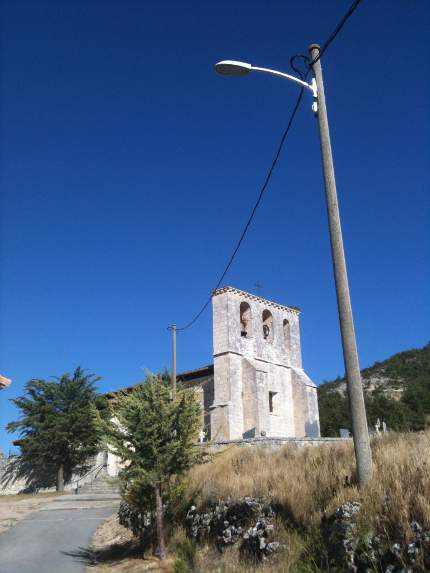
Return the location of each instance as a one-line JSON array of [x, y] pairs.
[[204, 393], [14, 485], [276, 442]]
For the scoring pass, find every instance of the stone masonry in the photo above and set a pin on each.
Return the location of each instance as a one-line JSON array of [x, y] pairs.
[[260, 387]]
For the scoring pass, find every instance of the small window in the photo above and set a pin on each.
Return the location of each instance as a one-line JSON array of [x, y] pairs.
[[287, 334], [245, 320], [267, 325], [272, 402]]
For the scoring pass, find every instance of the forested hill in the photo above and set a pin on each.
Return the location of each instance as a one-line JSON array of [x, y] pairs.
[[397, 391]]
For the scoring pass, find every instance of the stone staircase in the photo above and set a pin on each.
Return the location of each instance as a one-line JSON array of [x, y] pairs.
[[101, 486], [102, 492]]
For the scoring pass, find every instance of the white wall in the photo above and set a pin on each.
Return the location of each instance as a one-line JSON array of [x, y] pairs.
[[248, 368]]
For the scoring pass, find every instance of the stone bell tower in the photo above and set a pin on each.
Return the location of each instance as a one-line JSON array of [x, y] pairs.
[[260, 388]]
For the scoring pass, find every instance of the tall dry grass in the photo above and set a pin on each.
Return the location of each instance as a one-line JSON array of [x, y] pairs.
[[311, 482], [208, 559]]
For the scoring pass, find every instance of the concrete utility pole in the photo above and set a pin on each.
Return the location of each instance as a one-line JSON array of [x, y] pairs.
[[360, 431], [173, 361]]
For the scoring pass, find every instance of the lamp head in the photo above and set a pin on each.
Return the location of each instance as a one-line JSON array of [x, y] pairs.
[[4, 382], [232, 68]]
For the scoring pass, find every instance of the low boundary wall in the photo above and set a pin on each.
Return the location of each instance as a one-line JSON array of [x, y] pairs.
[[266, 442], [111, 468], [10, 484]]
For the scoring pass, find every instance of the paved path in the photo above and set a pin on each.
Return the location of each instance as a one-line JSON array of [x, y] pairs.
[[51, 541], [14, 508]]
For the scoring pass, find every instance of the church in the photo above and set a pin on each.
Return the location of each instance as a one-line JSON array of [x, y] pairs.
[[256, 386]]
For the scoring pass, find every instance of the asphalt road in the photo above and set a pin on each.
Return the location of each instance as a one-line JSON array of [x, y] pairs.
[[53, 541]]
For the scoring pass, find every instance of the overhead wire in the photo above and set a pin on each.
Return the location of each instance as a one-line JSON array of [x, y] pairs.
[[308, 62], [336, 31], [304, 76], [251, 216]]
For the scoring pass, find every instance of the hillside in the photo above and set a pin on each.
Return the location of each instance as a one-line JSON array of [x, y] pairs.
[[397, 391], [287, 510]]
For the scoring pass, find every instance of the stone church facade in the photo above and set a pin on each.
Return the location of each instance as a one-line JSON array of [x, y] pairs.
[[256, 386]]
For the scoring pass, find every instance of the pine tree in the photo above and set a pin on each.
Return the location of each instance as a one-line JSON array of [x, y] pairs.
[[155, 438], [59, 428]]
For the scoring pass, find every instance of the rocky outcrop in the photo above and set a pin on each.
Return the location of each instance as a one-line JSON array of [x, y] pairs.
[[247, 521], [250, 524], [351, 552], [140, 523], [340, 535]]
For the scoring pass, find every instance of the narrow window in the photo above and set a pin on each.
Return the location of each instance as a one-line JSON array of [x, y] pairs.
[[287, 334], [245, 320], [272, 402], [267, 325]]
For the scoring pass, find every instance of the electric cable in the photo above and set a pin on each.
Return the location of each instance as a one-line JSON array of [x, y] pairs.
[[251, 217], [336, 31], [324, 47], [298, 71], [303, 76]]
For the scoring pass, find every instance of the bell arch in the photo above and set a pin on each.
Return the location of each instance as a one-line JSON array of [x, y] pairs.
[[267, 319], [245, 320]]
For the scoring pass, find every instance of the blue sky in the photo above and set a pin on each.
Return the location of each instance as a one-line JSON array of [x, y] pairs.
[[128, 169]]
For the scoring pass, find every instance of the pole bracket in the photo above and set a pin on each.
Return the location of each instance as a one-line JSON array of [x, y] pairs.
[[313, 86]]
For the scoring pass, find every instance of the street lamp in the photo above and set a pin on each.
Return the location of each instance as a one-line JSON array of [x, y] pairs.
[[4, 382], [233, 68], [360, 431]]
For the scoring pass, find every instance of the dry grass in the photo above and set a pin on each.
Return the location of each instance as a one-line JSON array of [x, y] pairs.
[[311, 482], [114, 550], [210, 560], [306, 485], [400, 489], [13, 508], [133, 565], [110, 533], [29, 496]]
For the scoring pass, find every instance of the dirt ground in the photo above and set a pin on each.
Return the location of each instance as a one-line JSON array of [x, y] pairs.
[[15, 507], [113, 551]]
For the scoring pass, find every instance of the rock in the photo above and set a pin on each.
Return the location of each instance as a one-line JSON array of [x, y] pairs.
[[396, 549], [340, 536], [350, 553], [141, 524], [252, 519], [412, 550], [274, 547]]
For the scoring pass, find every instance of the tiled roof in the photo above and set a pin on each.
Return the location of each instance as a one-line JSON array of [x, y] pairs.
[[187, 376], [249, 296]]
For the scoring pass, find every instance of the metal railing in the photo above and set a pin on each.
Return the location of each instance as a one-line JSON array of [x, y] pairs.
[[95, 471]]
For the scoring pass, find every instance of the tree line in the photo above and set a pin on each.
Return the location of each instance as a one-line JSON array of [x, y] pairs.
[[406, 374]]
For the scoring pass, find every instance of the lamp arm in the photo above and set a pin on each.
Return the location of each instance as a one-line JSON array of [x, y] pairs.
[[312, 87]]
